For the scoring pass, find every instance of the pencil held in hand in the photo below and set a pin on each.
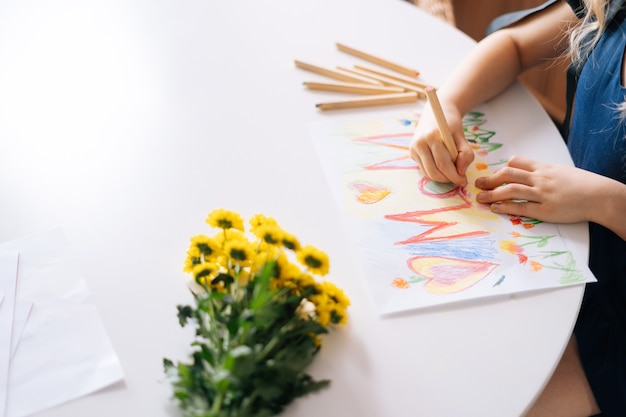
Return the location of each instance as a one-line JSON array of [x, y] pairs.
[[444, 129]]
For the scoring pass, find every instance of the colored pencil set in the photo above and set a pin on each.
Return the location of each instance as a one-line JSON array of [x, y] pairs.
[[395, 84]]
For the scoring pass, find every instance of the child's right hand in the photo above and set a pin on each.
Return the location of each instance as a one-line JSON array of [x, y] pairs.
[[428, 150]]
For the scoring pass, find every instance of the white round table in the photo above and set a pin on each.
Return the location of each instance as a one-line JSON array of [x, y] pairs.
[[124, 122]]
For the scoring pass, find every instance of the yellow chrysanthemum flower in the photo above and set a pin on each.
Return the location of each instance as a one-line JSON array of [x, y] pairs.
[[269, 233], [243, 275], [339, 316], [323, 308], [226, 235], [297, 284], [291, 242], [260, 220], [222, 261], [263, 257], [323, 317], [283, 265], [240, 251], [314, 259], [335, 293], [278, 283], [265, 254], [304, 282], [203, 273], [286, 274], [289, 270], [225, 219], [194, 256], [207, 246], [331, 304]]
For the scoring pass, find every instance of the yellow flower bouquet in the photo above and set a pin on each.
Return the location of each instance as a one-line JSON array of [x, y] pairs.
[[259, 313]]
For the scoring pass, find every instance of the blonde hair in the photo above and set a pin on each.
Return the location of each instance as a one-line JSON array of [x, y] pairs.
[[585, 36]]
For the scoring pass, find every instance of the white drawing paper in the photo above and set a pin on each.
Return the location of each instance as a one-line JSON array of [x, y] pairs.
[[422, 243]]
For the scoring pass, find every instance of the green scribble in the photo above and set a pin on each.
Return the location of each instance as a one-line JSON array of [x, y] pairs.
[[500, 162], [475, 134], [416, 278], [436, 187], [474, 118], [515, 220], [540, 241], [552, 254], [571, 274]]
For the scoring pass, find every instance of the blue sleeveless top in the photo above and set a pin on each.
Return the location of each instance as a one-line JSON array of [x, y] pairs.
[[597, 143]]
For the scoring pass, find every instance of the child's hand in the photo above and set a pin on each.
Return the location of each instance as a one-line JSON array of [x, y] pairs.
[[553, 193], [429, 151]]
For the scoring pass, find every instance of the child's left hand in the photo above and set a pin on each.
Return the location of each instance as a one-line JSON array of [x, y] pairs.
[[552, 193]]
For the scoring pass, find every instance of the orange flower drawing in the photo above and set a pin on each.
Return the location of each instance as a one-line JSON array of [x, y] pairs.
[[400, 283]]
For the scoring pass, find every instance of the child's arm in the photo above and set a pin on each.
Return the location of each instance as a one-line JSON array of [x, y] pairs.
[[485, 72]]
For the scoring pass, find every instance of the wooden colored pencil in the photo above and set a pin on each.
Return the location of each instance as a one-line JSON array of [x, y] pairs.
[[386, 80], [379, 61], [444, 129], [369, 78], [338, 75], [375, 100], [353, 88], [389, 74]]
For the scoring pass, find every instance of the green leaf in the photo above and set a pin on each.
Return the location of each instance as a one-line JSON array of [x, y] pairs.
[[241, 362], [184, 314]]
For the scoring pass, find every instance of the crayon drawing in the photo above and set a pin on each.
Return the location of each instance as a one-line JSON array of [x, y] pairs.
[[422, 243]]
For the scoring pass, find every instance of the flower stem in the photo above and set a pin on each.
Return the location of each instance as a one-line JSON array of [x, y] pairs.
[[268, 348], [217, 404]]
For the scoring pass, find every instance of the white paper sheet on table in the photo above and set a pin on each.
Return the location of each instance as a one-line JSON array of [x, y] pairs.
[[421, 243], [64, 352], [20, 317], [8, 285]]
